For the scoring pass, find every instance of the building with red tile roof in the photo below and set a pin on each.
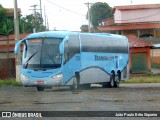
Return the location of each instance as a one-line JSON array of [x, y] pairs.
[[135, 42], [140, 59], [136, 21], [133, 19], [10, 12]]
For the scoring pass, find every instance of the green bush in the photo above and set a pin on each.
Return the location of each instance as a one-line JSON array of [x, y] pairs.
[[11, 82]]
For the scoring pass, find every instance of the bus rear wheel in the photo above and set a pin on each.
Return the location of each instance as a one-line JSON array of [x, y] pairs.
[[117, 80], [40, 88], [112, 80]]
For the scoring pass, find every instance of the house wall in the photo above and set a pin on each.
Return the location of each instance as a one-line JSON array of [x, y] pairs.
[[139, 32], [157, 32], [109, 21], [155, 56], [137, 15], [140, 50], [147, 31], [130, 32]]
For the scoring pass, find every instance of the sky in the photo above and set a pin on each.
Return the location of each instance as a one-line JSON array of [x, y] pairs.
[[66, 14]]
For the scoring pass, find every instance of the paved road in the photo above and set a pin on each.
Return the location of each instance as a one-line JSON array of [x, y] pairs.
[[129, 97]]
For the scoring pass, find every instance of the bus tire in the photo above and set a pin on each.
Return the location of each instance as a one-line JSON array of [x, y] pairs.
[[75, 84], [40, 88], [112, 80], [117, 80]]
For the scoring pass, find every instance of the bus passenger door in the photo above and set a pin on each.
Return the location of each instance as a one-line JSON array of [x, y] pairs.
[[66, 66], [71, 61]]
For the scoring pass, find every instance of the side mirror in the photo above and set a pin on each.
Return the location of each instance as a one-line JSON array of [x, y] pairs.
[[17, 46]]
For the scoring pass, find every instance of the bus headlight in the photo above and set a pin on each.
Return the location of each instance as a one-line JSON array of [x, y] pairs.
[[57, 76], [23, 76]]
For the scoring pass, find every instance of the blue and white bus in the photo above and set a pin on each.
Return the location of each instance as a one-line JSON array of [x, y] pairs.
[[60, 58]]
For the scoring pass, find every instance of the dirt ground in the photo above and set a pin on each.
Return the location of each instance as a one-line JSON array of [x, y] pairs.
[[128, 97]]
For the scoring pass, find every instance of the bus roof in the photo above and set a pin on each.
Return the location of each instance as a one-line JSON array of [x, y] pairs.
[[56, 34], [110, 35], [63, 34]]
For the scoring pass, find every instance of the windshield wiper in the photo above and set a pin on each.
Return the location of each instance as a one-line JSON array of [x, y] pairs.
[[29, 59]]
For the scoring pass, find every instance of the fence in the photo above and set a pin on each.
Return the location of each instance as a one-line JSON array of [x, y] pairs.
[[7, 68], [7, 60]]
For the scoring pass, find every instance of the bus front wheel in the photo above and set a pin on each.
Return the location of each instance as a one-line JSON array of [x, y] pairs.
[[40, 88], [112, 80], [75, 84]]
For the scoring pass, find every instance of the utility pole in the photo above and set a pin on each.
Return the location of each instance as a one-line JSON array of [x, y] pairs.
[[16, 29], [47, 23], [41, 8], [35, 18], [45, 18], [89, 18]]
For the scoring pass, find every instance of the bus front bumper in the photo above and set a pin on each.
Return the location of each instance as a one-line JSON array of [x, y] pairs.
[[48, 82]]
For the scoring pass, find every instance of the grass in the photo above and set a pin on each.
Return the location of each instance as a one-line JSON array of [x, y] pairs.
[[9, 82], [147, 79]]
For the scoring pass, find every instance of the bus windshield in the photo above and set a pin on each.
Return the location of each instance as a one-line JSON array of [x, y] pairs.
[[42, 54]]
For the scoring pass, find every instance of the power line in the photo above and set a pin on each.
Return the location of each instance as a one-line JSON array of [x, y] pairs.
[[65, 8]]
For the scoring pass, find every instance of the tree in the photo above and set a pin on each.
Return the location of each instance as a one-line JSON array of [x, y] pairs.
[[1, 6], [3, 13], [26, 24], [7, 29], [100, 11], [31, 21]]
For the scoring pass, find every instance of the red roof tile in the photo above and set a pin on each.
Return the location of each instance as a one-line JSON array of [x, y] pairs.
[[4, 47], [11, 37], [135, 42]]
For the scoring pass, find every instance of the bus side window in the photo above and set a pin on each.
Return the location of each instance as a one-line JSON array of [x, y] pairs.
[[66, 52], [71, 47]]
